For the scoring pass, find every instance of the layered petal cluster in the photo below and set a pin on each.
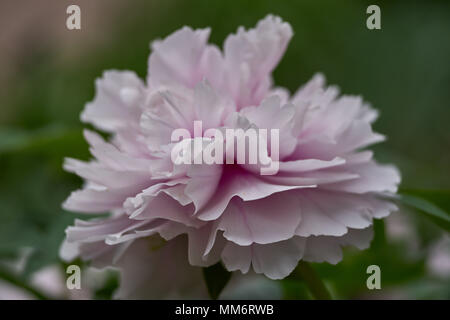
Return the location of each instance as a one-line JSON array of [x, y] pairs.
[[325, 195]]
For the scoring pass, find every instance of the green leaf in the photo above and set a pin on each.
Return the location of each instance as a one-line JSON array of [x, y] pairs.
[[216, 278], [15, 139], [312, 280], [53, 140], [31, 193], [440, 198], [106, 292], [293, 289], [431, 210]]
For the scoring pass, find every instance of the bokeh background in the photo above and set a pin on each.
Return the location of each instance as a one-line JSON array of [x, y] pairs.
[[48, 72]]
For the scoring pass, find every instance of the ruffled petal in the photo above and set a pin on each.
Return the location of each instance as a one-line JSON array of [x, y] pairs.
[[263, 221], [250, 57], [329, 249], [116, 104], [275, 260]]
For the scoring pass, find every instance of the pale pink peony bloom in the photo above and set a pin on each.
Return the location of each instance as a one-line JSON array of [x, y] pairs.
[[325, 195]]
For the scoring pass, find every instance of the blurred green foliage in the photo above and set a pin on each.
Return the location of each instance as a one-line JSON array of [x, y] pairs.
[[216, 278], [402, 69]]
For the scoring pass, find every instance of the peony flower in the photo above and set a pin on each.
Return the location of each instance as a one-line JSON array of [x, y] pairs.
[[325, 195]]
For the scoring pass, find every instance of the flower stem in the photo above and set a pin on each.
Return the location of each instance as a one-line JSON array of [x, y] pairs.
[[14, 280], [315, 285]]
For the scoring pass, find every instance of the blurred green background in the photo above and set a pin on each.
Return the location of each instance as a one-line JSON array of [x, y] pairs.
[[403, 70]]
